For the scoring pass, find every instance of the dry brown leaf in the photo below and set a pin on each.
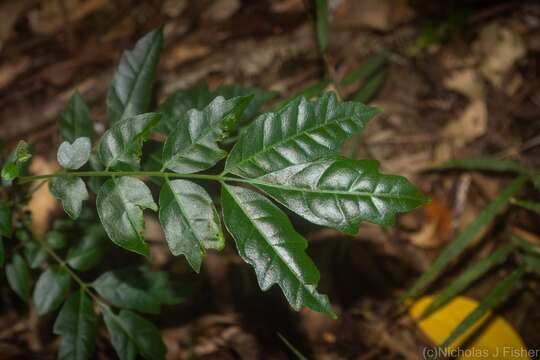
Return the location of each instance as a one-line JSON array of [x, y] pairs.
[[223, 9], [437, 228], [498, 48], [42, 204], [374, 14], [183, 53], [51, 16], [9, 72], [11, 10]]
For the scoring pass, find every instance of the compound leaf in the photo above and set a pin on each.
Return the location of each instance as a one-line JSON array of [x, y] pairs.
[[301, 132], [190, 220], [71, 191], [341, 192], [121, 145], [75, 119], [76, 323], [132, 334], [18, 277], [130, 91], [51, 289], [74, 156], [120, 203], [260, 96], [266, 240], [193, 145]]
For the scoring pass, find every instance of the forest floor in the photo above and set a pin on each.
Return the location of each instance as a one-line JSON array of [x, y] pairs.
[[459, 83]]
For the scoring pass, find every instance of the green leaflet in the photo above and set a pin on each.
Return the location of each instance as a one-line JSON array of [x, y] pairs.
[[457, 246], [301, 132], [35, 254], [75, 119], [468, 277], [6, 228], [89, 251], [76, 323], [193, 145], [494, 298], [120, 147], [51, 289], [71, 191], [132, 334], [198, 97], [130, 91], [74, 156], [266, 240], [341, 192], [190, 221], [18, 277], [120, 203], [137, 289], [56, 239]]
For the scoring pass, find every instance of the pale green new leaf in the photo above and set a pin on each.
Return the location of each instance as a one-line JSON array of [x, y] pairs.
[[18, 277], [458, 245], [137, 289], [494, 298], [74, 156], [266, 240], [132, 334], [301, 132], [71, 191], [75, 120], [130, 91], [120, 147], [193, 146], [76, 324], [120, 203], [190, 220], [16, 161], [341, 192], [51, 289]]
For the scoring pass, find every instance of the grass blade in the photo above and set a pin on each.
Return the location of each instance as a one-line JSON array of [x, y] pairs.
[[468, 277], [321, 15], [457, 246], [291, 347], [368, 91], [366, 70], [494, 298], [528, 205]]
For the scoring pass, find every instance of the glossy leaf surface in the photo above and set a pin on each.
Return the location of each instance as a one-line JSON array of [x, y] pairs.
[[190, 220], [51, 289], [76, 323], [266, 240], [75, 121], [132, 334], [71, 191], [193, 146], [341, 192], [120, 203], [301, 132], [121, 145], [130, 91]]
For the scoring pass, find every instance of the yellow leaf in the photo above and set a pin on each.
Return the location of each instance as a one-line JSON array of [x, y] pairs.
[[494, 339]]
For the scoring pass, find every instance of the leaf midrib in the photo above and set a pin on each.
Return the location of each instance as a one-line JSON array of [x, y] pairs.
[[281, 142], [264, 237]]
